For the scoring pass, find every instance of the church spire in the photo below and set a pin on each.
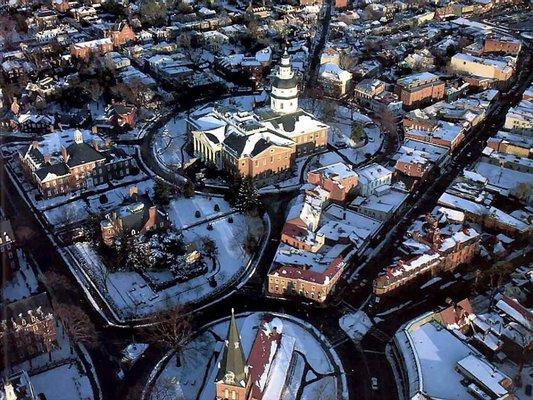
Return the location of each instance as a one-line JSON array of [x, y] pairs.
[[233, 369]]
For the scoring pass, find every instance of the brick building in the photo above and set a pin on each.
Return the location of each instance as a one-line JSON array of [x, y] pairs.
[[27, 330], [413, 163], [501, 44], [419, 89], [441, 133], [338, 179], [98, 47], [290, 280], [121, 33], [137, 215], [262, 144], [76, 166], [433, 247]]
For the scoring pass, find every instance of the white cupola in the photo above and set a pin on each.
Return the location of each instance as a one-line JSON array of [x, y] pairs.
[[284, 94]]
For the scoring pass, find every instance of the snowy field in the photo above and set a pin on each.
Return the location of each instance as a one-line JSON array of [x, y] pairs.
[[68, 383], [169, 143], [182, 211], [316, 375], [129, 293], [23, 282], [78, 210]]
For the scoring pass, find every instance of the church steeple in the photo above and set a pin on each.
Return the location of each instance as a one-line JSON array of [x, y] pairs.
[[233, 370], [284, 95]]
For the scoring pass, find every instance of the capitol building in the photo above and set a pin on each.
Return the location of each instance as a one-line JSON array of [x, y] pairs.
[[262, 144]]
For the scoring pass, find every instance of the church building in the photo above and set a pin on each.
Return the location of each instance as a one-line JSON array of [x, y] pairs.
[[264, 375]]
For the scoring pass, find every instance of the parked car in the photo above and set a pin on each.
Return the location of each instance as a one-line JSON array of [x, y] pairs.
[[374, 382]]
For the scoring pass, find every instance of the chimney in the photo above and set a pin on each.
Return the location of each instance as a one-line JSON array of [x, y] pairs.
[[35, 144], [46, 158], [133, 191], [107, 143], [95, 144], [65, 154]]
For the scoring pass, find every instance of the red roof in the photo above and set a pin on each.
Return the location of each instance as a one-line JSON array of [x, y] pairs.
[[519, 308], [298, 272], [259, 356], [457, 314]]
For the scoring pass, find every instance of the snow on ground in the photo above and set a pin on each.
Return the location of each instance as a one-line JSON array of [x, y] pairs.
[[341, 123], [195, 378], [78, 210], [323, 389], [169, 142], [131, 296], [182, 210], [374, 141], [63, 383], [356, 325], [62, 367], [23, 283]]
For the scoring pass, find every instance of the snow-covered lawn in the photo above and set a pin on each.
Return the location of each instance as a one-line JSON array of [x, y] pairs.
[[130, 295], [195, 378], [374, 141], [23, 282], [169, 142], [78, 210], [64, 382], [182, 211], [341, 122], [356, 325], [60, 374]]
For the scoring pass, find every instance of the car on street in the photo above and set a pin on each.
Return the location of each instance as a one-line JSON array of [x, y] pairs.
[[374, 382]]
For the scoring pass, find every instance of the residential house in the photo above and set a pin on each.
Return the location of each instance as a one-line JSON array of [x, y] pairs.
[[136, 215]]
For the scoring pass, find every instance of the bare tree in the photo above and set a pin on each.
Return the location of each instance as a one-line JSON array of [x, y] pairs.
[[171, 330], [60, 288], [77, 325]]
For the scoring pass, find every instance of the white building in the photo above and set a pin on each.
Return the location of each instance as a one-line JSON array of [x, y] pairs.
[[372, 177]]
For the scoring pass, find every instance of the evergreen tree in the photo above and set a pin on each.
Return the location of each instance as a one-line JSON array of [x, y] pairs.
[[247, 198], [162, 192]]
